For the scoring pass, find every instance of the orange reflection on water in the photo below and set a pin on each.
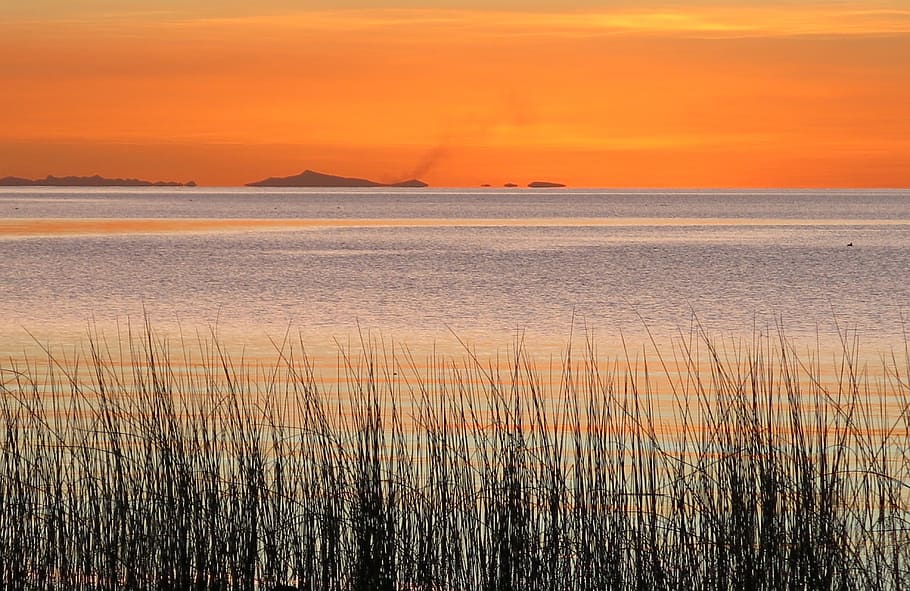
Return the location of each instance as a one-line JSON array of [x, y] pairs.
[[32, 227]]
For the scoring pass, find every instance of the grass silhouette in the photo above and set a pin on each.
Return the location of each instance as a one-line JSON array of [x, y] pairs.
[[747, 469]]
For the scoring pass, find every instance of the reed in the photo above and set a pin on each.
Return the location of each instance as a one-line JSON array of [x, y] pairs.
[[750, 468]]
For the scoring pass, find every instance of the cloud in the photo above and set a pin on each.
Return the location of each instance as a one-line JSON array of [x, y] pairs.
[[406, 22], [720, 21]]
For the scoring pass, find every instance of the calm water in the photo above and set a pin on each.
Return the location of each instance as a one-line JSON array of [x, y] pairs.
[[415, 265]]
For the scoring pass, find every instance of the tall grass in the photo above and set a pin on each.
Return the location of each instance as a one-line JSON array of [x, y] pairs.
[[751, 468]]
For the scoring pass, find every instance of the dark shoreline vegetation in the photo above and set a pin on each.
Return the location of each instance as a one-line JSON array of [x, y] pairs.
[[747, 469]]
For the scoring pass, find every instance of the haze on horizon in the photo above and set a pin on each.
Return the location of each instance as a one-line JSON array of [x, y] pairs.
[[736, 93]]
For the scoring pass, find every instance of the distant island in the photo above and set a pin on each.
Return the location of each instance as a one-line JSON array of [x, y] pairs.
[[86, 181], [307, 178], [310, 178]]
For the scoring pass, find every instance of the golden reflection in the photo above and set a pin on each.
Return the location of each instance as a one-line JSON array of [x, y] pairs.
[[32, 227]]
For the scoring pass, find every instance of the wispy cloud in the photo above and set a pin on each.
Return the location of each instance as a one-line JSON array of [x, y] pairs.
[[721, 21], [726, 21]]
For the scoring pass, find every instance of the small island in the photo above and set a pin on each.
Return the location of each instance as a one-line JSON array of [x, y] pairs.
[[510, 185], [545, 185], [311, 178], [86, 181]]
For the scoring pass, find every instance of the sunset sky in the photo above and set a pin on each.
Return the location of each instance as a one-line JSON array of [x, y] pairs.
[[738, 93]]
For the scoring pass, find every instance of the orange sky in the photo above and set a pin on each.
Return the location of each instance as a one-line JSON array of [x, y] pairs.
[[674, 94]]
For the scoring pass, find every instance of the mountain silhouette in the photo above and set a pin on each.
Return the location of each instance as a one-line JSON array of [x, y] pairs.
[[311, 178], [545, 185], [86, 181]]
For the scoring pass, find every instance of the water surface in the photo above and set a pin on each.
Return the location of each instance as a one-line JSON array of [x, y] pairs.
[[418, 266]]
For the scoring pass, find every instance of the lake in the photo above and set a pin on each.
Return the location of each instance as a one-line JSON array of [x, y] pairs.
[[423, 266], [172, 466]]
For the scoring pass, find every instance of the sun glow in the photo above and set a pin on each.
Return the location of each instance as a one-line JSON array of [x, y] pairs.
[[735, 95]]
